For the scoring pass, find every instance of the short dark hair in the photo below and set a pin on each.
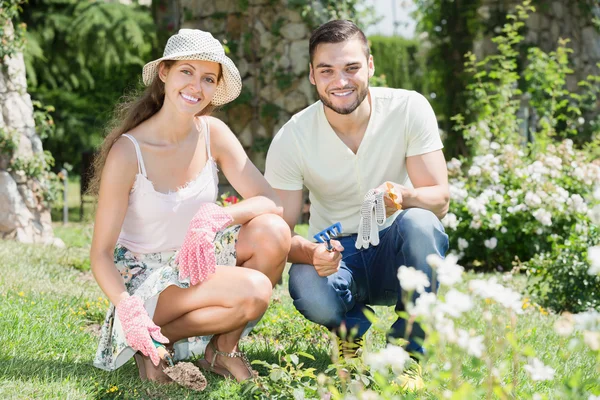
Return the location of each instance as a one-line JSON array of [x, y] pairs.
[[336, 31]]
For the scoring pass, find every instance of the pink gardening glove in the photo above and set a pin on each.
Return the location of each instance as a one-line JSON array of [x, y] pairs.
[[139, 328], [196, 258]]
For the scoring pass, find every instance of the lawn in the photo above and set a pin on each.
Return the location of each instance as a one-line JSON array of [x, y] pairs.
[[50, 308]]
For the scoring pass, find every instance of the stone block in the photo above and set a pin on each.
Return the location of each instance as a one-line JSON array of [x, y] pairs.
[[17, 110], [294, 102], [294, 31], [233, 25], [292, 15], [299, 56], [239, 115], [14, 214]]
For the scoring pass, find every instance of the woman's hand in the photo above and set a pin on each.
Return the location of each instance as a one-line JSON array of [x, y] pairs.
[[139, 328], [196, 257]]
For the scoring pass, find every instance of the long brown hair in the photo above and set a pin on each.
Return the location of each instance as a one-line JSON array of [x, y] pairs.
[[132, 111]]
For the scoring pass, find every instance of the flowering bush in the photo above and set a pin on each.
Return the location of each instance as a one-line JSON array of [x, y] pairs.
[[492, 359], [512, 205], [511, 201]]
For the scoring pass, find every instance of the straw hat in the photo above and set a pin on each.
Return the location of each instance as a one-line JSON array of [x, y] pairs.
[[194, 44]]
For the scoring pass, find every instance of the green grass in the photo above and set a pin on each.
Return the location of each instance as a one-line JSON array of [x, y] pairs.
[[50, 305]]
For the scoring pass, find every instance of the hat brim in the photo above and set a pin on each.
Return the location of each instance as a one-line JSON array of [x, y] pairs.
[[228, 89]]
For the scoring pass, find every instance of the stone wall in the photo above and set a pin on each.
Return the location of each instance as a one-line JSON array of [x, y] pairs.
[[552, 20], [269, 44], [23, 215]]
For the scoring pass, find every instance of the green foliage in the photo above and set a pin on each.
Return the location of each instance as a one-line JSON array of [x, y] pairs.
[[11, 35], [287, 381], [400, 61], [81, 57], [50, 307], [9, 140], [82, 42], [318, 12], [450, 28], [559, 278], [515, 201]]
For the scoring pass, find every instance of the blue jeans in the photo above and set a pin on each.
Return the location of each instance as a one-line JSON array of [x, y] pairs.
[[369, 276]]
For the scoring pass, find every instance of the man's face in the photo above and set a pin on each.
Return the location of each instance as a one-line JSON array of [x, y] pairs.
[[341, 72]]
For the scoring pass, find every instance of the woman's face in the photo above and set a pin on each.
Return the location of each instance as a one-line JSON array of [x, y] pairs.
[[190, 85]]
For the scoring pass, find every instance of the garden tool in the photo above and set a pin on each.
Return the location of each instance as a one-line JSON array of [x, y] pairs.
[[185, 374], [372, 215], [327, 234], [393, 195]]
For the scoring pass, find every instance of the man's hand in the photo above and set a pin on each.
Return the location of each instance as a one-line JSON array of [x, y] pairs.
[[327, 262], [395, 195]]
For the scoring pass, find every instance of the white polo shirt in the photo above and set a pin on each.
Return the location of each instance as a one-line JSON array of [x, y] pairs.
[[307, 151]]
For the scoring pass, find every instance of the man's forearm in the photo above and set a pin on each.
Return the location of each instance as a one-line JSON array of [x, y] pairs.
[[301, 250], [433, 198]]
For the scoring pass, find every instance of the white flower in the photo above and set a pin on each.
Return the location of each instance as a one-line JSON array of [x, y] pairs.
[[592, 339], [496, 220], [474, 171], [490, 289], [454, 165], [423, 305], [473, 344], [462, 244], [448, 272], [594, 258], [476, 206], [503, 230], [592, 397], [564, 325], [456, 303], [392, 356], [543, 216], [577, 203], [412, 280], [491, 243], [580, 120], [538, 371], [594, 215], [589, 320], [450, 221], [475, 223], [532, 199]]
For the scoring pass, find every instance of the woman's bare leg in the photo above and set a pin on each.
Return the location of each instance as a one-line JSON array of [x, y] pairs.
[[224, 303], [263, 244]]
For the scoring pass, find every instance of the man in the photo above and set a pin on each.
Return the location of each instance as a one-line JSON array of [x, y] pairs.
[[355, 139]]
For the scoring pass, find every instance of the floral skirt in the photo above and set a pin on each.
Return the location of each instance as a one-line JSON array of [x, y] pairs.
[[146, 276]]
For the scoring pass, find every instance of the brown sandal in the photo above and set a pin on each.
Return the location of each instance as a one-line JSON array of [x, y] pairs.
[[204, 364]]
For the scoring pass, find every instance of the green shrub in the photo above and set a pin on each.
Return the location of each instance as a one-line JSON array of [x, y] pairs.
[[559, 279], [513, 199], [400, 61]]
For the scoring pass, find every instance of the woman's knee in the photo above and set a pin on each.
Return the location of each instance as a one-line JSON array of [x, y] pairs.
[[256, 294], [272, 232]]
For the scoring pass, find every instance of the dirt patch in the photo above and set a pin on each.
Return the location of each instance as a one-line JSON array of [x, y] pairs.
[[93, 329], [188, 375]]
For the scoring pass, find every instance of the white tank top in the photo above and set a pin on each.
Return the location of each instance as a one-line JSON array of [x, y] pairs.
[[157, 222]]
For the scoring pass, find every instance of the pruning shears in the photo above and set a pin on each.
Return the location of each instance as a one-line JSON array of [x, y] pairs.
[[327, 234]]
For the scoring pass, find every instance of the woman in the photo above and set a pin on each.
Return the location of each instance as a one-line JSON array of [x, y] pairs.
[[156, 173]]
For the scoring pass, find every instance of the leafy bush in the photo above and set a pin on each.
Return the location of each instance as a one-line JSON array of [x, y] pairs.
[[83, 81], [398, 59], [560, 279], [513, 199]]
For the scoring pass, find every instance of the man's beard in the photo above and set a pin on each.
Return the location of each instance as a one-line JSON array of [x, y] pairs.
[[362, 94]]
